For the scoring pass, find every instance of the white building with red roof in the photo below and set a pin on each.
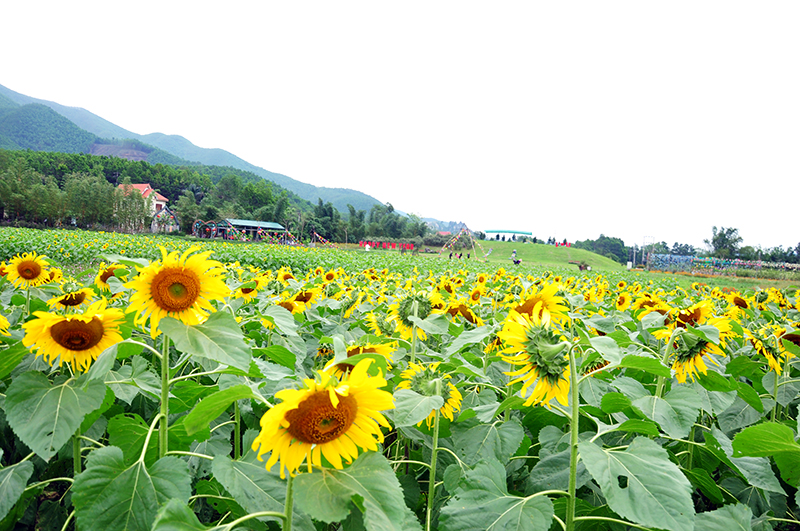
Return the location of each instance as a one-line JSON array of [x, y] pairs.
[[158, 201]]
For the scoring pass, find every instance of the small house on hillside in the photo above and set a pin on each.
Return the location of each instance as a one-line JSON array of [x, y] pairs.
[[163, 219], [158, 201]]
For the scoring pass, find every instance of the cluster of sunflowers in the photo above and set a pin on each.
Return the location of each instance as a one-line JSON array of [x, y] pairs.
[[360, 336]]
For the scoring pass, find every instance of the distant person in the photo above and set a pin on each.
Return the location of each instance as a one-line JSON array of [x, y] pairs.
[[451, 255]]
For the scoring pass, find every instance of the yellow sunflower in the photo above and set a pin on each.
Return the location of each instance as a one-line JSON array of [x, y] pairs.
[[623, 301], [421, 378], [540, 353], [326, 418], [343, 367], [72, 297], [694, 315], [545, 302], [105, 272], [418, 303], [179, 287], [379, 325], [76, 339], [461, 307], [4, 325], [28, 270], [691, 351], [767, 342]]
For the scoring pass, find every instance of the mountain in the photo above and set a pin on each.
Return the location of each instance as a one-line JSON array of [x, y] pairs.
[[176, 146]]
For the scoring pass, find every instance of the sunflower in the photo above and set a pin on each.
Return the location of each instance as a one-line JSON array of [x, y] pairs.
[[72, 296], [179, 287], [326, 418], [694, 315], [461, 307], [766, 341], [379, 325], [343, 367], [476, 294], [28, 270], [623, 301], [4, 325], [420, 304], [545, 302], [76, 339], [539, 351], [422, 379], [105, 272], [691, 351]]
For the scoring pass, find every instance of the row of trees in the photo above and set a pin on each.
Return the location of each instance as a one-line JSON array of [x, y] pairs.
[[726, 243], [59, 189], [84, 200]]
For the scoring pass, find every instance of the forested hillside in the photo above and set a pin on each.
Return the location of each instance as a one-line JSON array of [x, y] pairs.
[[52, 189], [184, 150]]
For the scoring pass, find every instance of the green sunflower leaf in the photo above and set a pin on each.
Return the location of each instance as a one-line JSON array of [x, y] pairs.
[[675, 413], [44, 415], [642, 484], [112, 495], [607, 348], [213, 406], [256, 489], [474, 441], [11, 358], [369, 483], [412, 407], [177, 516], [771, 440], [727, 518], [481, 502], [12, 483], [219, 339]]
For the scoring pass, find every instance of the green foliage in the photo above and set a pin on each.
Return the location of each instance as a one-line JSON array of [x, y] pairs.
[[38, 127]]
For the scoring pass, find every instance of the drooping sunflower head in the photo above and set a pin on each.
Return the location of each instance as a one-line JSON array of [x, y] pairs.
[[766, 341], [181, 287], [462, 308], [428, 380], [326, 419], [28, 270], [379, 325], [542, 355], [77, 338], [416, 304], [690, 353]]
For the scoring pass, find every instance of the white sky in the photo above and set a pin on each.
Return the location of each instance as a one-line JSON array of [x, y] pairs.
[[568, 119]]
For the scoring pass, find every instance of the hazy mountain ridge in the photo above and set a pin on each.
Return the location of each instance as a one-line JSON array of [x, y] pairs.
[[184, 149]]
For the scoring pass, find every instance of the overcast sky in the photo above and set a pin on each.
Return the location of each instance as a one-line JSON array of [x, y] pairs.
[[633, 119]]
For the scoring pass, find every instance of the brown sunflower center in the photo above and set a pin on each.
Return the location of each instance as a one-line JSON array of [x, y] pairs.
[[76, 334], [740, 302], [29, 270], [316, 421], [247, 290], [175, 289], [73, 299], [108, 273]]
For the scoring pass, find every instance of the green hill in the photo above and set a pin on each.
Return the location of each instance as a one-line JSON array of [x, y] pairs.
[[40, 128], [182, 148], [541, 254]]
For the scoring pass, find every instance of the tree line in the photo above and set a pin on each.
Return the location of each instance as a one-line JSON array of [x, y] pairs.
[[58, 189]]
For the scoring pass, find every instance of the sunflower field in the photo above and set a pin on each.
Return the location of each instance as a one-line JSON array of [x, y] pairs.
[[154, 383]]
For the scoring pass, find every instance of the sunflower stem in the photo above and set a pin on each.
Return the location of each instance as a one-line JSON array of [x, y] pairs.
[[237, 431], [287, 506], [163, 433], [691, 448], [573, 441], [76, 452], [432, 473], [667, 353]]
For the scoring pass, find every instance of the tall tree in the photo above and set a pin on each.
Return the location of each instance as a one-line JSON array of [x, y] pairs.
[[724, 242]]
